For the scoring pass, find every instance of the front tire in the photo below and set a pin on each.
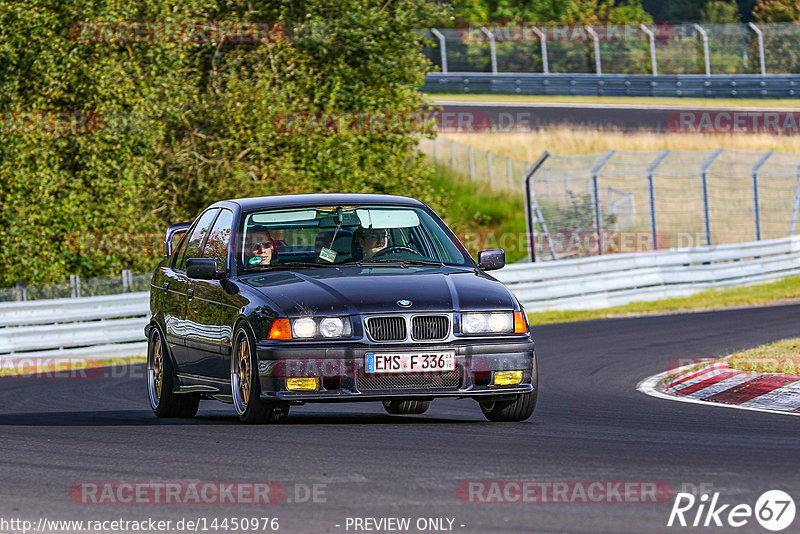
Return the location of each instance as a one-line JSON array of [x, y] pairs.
[[246, 386], [515, 410], [161, 382], [406, 407]]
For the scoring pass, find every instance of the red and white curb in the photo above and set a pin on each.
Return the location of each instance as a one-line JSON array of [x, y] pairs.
[[716, 383]]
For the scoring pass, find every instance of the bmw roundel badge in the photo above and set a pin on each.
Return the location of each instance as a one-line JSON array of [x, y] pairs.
[[404, 303]]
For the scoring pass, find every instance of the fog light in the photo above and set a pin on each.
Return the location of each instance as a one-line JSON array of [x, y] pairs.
[[507, 378], [302, 384]]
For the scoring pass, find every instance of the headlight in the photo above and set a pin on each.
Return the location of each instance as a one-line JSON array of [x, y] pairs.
[[331, 327], [317, 327], [487, 323], [305, 327]]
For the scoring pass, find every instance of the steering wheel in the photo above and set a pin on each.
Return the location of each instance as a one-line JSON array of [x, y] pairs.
[[395, 248]]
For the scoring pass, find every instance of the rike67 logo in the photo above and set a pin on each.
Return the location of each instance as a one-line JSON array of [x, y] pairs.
[[774, 510]]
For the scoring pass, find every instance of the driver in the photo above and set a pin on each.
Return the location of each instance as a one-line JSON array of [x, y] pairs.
[[372, 241], [259, 248]]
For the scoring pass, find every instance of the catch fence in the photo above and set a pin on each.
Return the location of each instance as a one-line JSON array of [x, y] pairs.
[[621, 201]]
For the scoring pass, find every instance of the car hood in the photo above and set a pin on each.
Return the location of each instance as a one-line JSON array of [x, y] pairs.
[[352, 290]]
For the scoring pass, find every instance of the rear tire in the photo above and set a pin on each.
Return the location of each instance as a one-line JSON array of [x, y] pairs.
[[246, 386], [406, 407], [161, 382]]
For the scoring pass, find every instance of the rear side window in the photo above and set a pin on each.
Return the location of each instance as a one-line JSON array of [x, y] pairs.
[[218, 240], [196, 237]]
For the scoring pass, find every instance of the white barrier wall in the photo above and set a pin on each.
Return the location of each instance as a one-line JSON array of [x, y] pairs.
[[617, 279]]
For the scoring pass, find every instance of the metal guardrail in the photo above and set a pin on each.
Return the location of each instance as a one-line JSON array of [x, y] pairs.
[[682, 85], [618, 279], [108, 326]]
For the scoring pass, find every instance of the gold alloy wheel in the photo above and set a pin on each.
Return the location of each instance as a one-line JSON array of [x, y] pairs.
[[158, 368], [243, 371]]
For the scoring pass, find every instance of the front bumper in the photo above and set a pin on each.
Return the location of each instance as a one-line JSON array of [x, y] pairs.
[[340, 370]]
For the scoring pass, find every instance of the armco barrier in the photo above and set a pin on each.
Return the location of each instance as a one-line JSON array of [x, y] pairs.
[[100, 327], [689, 85], [617, 279]]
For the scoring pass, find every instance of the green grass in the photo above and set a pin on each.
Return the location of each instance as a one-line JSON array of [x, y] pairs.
[[788, 288], [788, 103], [482, 218], [779, 357]]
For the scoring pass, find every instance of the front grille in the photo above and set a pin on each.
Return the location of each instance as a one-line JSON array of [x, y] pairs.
[[449, 379], [429, 327], [386, 328]]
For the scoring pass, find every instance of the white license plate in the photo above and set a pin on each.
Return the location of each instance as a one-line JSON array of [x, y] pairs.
[[422, 362]]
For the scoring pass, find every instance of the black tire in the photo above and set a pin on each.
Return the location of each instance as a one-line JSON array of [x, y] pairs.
[[246, 386], [406, 407], [161, 382], [515, 410]]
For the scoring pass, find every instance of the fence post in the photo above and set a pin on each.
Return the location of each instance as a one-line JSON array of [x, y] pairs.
[[492, 47], [704, 36], [597, 219], [489, 165], [20, 291], [704, 176], [510, 173], [74, 286], [471, 162], [442, 48], [796, 203], [652, 192], [652, 38], [756, 207], [543, 40], [127, 281], [760, 36], [530, 225], [453, 154], [596, 38]]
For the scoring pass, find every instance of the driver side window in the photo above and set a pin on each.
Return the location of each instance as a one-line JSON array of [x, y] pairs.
[[195, 239]]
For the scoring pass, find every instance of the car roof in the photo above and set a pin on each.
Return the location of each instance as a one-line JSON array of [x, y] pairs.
[[319, 199]]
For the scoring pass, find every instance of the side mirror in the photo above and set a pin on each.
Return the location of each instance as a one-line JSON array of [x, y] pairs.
[[173, 232], [492, 259], [202, 269]]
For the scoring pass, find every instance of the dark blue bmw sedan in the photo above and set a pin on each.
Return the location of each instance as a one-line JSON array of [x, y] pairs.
[[270, 302]]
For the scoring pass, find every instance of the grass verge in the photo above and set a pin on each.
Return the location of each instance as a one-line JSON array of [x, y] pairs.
[[630, 100], [772, 292], [481, 217], [779, 357], [563, 140]]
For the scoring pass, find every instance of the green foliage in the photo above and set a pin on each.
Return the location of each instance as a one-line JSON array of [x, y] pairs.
[[184, 124], [720, 12]]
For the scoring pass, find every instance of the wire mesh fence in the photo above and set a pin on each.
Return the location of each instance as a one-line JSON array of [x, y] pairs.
[[619, 201], [78, 287], [623, 48]]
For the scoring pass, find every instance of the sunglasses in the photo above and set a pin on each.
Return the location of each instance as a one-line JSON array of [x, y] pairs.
[[262, 244]]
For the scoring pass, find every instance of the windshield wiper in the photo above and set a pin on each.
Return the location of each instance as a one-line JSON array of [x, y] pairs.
[[386, 261], [292, 265]]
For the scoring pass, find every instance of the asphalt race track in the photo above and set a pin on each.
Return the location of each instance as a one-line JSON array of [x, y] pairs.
[[624, 117], [590, 425]]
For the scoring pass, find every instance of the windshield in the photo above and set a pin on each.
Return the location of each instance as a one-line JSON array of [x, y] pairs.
[[336, 235]]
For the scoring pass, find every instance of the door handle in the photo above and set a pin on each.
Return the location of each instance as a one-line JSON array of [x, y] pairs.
[[190, 294]]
